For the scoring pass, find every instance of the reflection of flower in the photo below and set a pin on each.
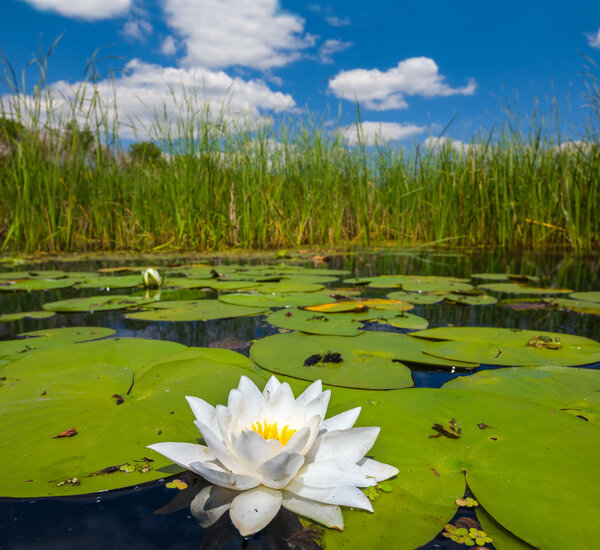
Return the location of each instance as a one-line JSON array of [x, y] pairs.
[[267, 450], [151, 278]]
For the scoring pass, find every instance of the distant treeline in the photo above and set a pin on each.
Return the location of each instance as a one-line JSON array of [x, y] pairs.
[[73, 187]]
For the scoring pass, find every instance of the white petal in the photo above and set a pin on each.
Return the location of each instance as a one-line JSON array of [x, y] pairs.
[[314, 390], [253, 510], [219, 449], [341, 421], [297, 442], [344, 495], [183, 453], [295, 445], [378, 470], [211, 503], [224, 421], [279, 471], [325, 514], [253, 450], [332, 473], [243, 408], [249, 389], [204, 412], [271, 387], [281, 404], [351, 444], [318, 405], [223, 478]]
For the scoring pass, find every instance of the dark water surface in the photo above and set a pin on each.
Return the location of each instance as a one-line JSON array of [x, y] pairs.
[[126, 519]]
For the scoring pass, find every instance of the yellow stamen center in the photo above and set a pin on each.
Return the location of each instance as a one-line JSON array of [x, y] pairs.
[[269, 430]]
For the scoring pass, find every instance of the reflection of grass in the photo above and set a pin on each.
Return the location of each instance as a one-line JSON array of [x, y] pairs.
[[289, 185]]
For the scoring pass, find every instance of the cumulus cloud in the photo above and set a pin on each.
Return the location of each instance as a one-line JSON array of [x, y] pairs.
[[147, 93], [593, 39], [444, 141], [329, 47], [137, 30], [84, 9], [223, 33], [169, 46], [380, 132], [381, 90]]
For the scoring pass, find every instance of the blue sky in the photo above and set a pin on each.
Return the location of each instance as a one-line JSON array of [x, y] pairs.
[[412, 67]]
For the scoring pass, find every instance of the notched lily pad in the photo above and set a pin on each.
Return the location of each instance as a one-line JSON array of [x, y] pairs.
[[193, 310], [97, 303]]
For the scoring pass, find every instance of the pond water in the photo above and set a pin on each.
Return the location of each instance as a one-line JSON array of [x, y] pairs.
[[126, 518]]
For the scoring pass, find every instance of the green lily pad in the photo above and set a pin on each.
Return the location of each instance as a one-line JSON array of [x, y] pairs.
[[508, 347], [6, 317], [118, 396], [591, 296], [193, 310], [416, 297], [407, 321], [291, 299], [97, 303], [114, 281], [285, 287], [505, 277], [516, 288], [49, 274], [357, 362], [480, 300], [571, 390], [523, 463], [425, 285], [338, 324], [31, 285], [11, 350], [579, 306], [502, 537]]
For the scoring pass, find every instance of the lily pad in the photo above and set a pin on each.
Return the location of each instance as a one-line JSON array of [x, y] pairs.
[[6, 317], [97, 303], [591, 296], [524, 466], [516, 288], [123, 281], [505, 277], [436, 286], [571, 390], [11, 350], [356, 362], [480, 300], [339, 324], [285, 287], [193, 310], [292, 299], [416, 297], [508, 347], [31, 285], [407, 321], [91, 417]]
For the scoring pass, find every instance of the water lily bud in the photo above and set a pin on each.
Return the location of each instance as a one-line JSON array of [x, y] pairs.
[[151, 278]]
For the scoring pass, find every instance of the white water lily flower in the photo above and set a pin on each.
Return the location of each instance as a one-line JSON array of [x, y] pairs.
[[151, 278], [267, 450]]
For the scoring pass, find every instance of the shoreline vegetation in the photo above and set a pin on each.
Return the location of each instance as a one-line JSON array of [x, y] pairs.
[[201, 182]]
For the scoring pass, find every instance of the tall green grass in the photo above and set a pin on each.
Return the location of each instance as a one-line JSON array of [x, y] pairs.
[[68, 186]]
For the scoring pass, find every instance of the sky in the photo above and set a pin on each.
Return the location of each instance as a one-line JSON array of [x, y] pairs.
[[415, 70]]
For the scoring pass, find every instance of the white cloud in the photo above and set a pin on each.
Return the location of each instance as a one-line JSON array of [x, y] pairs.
[[337, 21], [329, 47], [593, 39], [380, 132], [84, 9], [169, 46], [137, 30], [222, 33], [444, 141], [380, 90], [146, 92]]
